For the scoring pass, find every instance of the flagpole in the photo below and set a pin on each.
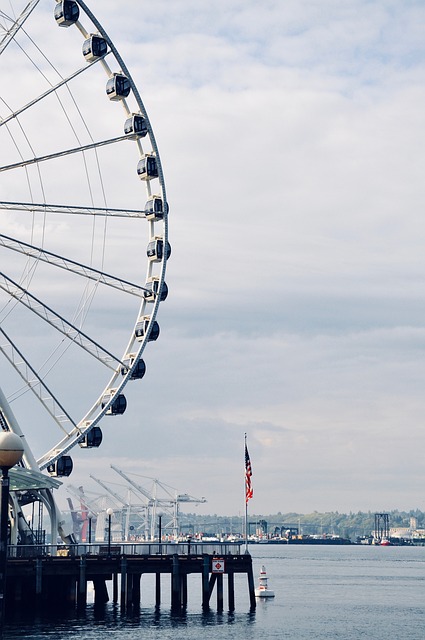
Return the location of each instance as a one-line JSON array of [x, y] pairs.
[[246, 527], [246, 505], [248, 491]]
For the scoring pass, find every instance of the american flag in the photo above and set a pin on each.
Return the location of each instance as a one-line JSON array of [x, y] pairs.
[[248, 473]]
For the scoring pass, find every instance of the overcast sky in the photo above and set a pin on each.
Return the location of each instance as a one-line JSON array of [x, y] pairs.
[[292, 137]]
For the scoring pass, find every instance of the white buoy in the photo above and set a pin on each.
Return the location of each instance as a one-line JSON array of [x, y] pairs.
[[262, 591]]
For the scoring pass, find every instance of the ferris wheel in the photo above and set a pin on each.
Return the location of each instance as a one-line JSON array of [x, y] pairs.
[[84, 237]]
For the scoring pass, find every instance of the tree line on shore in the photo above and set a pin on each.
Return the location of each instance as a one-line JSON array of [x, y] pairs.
[[346, 525]]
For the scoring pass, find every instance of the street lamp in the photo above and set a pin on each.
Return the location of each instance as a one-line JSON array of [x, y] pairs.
[[109, 513], [11, 450]]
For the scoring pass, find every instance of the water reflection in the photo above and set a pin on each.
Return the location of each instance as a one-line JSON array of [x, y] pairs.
[[88, 622]]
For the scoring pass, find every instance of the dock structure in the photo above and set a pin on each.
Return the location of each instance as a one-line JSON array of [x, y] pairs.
[[46, 576]]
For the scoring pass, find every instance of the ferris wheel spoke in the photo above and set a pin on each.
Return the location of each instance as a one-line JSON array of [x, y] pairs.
[[72, 210], [66, 152], [52, 89], [72, 266], [16, 24], [58, 322], [34, 382]]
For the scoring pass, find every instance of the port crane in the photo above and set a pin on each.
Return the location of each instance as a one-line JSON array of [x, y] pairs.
[[128, 508], [166, 505], [94, 508]]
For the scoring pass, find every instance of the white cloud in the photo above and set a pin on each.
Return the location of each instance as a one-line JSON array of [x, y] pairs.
[[292, 137]]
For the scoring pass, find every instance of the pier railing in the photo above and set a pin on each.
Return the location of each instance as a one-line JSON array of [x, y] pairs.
[[217, 549]]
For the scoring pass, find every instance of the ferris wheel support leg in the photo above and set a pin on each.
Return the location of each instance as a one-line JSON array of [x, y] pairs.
[[14, 519], [58, 525], [25, 532], [11, 424]]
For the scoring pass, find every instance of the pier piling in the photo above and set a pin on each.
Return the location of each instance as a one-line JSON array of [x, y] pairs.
[[251, 587], [175, 584], [157, 589], [115, 587], [124, 590], [82, 585], [231, 590], [219, 592]]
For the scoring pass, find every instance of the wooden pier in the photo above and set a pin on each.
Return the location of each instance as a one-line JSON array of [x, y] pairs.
[[60, 578]]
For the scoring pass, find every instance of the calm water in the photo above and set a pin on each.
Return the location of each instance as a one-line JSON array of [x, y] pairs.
[[346, 593]]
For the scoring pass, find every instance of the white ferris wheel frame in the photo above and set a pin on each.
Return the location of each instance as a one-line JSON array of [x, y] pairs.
[[75, 430]]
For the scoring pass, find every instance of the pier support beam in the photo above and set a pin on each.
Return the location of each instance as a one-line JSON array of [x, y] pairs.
[[16, 590], [231, 590], [129, 590], [123, 601], [205, 583], [38, 581], [251, 586], [135, 590], [219, 581], [115, 587], [157, 589], [216, 579], [175, 584], [100, 591], [82, 585], [70, 591], [183, 590]]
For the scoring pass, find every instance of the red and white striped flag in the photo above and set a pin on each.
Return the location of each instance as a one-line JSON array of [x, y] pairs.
[[248, 473]]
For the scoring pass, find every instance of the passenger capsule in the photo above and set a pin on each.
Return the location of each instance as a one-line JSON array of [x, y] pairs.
[[66, 13], [94, 47], [152, 290], [138, 371], [142, 329], [155, 250], [154, 209], [117, 406], [118, 87], [147, 167], [135, 127], [62, 467], [91, 439]]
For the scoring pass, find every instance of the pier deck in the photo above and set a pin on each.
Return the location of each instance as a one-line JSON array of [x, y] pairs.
[[52, 575]]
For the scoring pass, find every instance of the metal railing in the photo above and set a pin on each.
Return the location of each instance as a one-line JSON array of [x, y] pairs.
[[125, 549]]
